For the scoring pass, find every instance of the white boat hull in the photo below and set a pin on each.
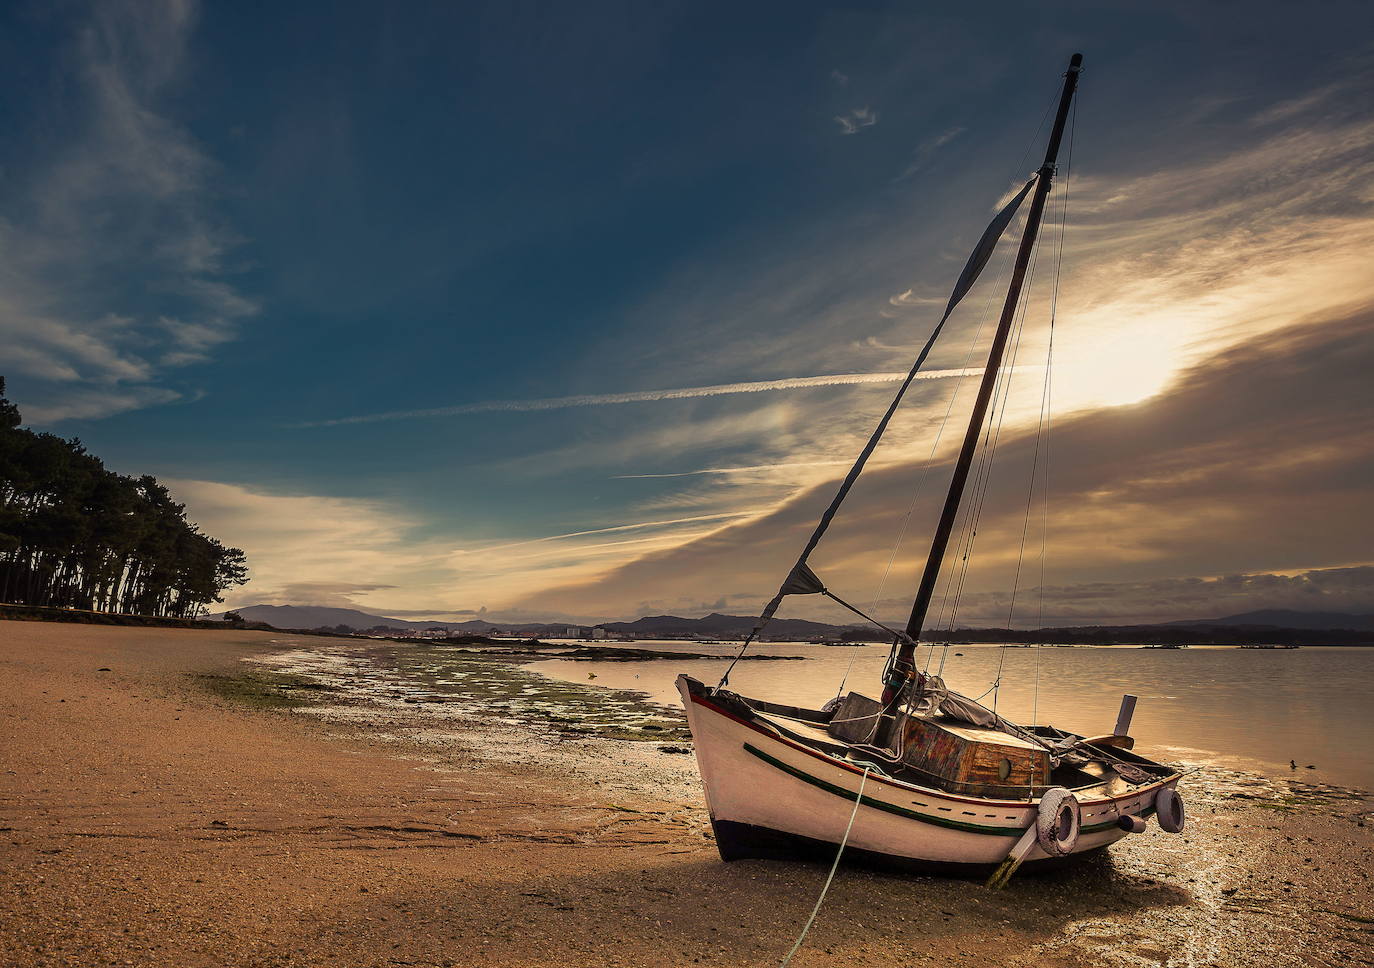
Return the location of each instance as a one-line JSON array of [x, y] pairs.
[[769, 796]]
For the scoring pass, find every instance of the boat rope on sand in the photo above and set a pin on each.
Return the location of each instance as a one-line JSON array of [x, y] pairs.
[[833, 867]]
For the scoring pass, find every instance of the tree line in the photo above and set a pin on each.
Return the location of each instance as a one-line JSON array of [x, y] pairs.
[[73, 534]]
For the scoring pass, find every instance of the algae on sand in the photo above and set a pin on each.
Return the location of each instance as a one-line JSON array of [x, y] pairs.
[[493, 687], [263, 690]]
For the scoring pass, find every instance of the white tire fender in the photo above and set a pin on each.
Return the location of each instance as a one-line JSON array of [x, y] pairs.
[[1169, 810], [1058, 822]]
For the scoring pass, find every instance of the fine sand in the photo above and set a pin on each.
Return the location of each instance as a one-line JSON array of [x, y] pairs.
[[164, 812]]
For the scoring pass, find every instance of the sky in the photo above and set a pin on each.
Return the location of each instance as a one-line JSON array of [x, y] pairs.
[[544, 311]]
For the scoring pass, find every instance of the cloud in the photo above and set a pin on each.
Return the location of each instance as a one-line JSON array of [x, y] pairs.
[[1308, 101], [1187, 278], [926, 149], [614, 529], [119, 199], [348, 548], [1253, 461], [340, 594], [856, 119], [784, 468], [839, 78], [638, 396], [373, 556], [909, 298], [87, 403], [1211, 250], [1167, 256], [1348, 590]]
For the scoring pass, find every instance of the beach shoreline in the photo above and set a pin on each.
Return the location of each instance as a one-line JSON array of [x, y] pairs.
[[162, 804]]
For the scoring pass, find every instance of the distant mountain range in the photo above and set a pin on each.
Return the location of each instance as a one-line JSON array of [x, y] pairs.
[[1287, 618], [717, 625], [316, 617]]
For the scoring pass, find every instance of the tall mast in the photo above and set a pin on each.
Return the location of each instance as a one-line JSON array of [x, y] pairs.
[[904, 668]]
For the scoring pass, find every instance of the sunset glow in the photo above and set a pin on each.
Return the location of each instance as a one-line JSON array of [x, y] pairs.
[[424, 362]]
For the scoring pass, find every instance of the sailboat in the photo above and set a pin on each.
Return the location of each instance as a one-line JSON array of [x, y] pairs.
[[923, 779]]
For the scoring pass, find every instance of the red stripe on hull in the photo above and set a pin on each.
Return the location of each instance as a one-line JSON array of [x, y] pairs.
[[898, 784]]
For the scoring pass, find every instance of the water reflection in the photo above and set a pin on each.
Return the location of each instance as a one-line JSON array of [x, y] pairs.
[[1254, 709]]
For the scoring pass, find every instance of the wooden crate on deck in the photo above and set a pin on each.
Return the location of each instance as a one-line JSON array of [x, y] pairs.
[[949, 754], [970, 759]]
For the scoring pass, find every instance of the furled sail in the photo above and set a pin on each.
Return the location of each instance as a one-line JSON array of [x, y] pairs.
[[801, 580]]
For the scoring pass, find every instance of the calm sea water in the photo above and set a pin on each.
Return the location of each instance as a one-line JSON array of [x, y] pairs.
[[1253, 709]]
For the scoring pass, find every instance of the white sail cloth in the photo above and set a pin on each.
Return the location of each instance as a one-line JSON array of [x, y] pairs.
[[935, 697]]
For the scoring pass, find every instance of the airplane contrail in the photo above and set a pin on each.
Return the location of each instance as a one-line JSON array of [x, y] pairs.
[[637, 396], [736, 470], [619, 527]]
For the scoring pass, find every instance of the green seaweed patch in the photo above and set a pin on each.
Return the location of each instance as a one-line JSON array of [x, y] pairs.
[[264, 690], [479, 685], [1302, 796]]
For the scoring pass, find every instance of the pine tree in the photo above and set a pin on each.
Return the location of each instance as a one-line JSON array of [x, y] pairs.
[[77, 535]]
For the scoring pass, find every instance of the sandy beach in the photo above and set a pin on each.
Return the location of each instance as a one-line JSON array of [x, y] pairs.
[[161, 803]]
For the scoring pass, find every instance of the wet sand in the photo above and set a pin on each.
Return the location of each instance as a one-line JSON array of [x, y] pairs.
[[175, 810]]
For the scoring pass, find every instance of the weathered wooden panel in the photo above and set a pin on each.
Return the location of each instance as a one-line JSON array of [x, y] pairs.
[[953, 755], [853, 722], [970, 759], [932, 749]]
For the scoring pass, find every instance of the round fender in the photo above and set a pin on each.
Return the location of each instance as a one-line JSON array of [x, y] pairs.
[[1169, 810], [1056, 826]]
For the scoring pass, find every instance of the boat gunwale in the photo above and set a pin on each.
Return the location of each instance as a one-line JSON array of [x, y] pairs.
[[904, 785]]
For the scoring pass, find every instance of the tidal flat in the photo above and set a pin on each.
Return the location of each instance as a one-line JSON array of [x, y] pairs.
[[182, 797]]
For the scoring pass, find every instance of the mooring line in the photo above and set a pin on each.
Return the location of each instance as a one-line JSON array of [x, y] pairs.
[[833, 867]]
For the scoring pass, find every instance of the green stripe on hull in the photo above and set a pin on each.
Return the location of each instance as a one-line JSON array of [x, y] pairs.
[[892, 808]]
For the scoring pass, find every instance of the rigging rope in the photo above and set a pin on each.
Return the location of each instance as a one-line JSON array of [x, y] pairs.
[[844, 841], [991, 438], [1039, 433], [983, 474], [969, 530], [973, 268], [1016, 349], [989, 302], [1030, 498], [1049, 403]]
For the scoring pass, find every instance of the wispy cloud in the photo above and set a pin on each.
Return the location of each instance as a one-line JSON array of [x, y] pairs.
[[346, 545], [1200, 255], [780, 467], [94, 402], [856, 119], [1348, 590], [926, 149], [122, 195], [909, 298], [637, 396], [614, 529], [1252, 461], [387, 560]]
